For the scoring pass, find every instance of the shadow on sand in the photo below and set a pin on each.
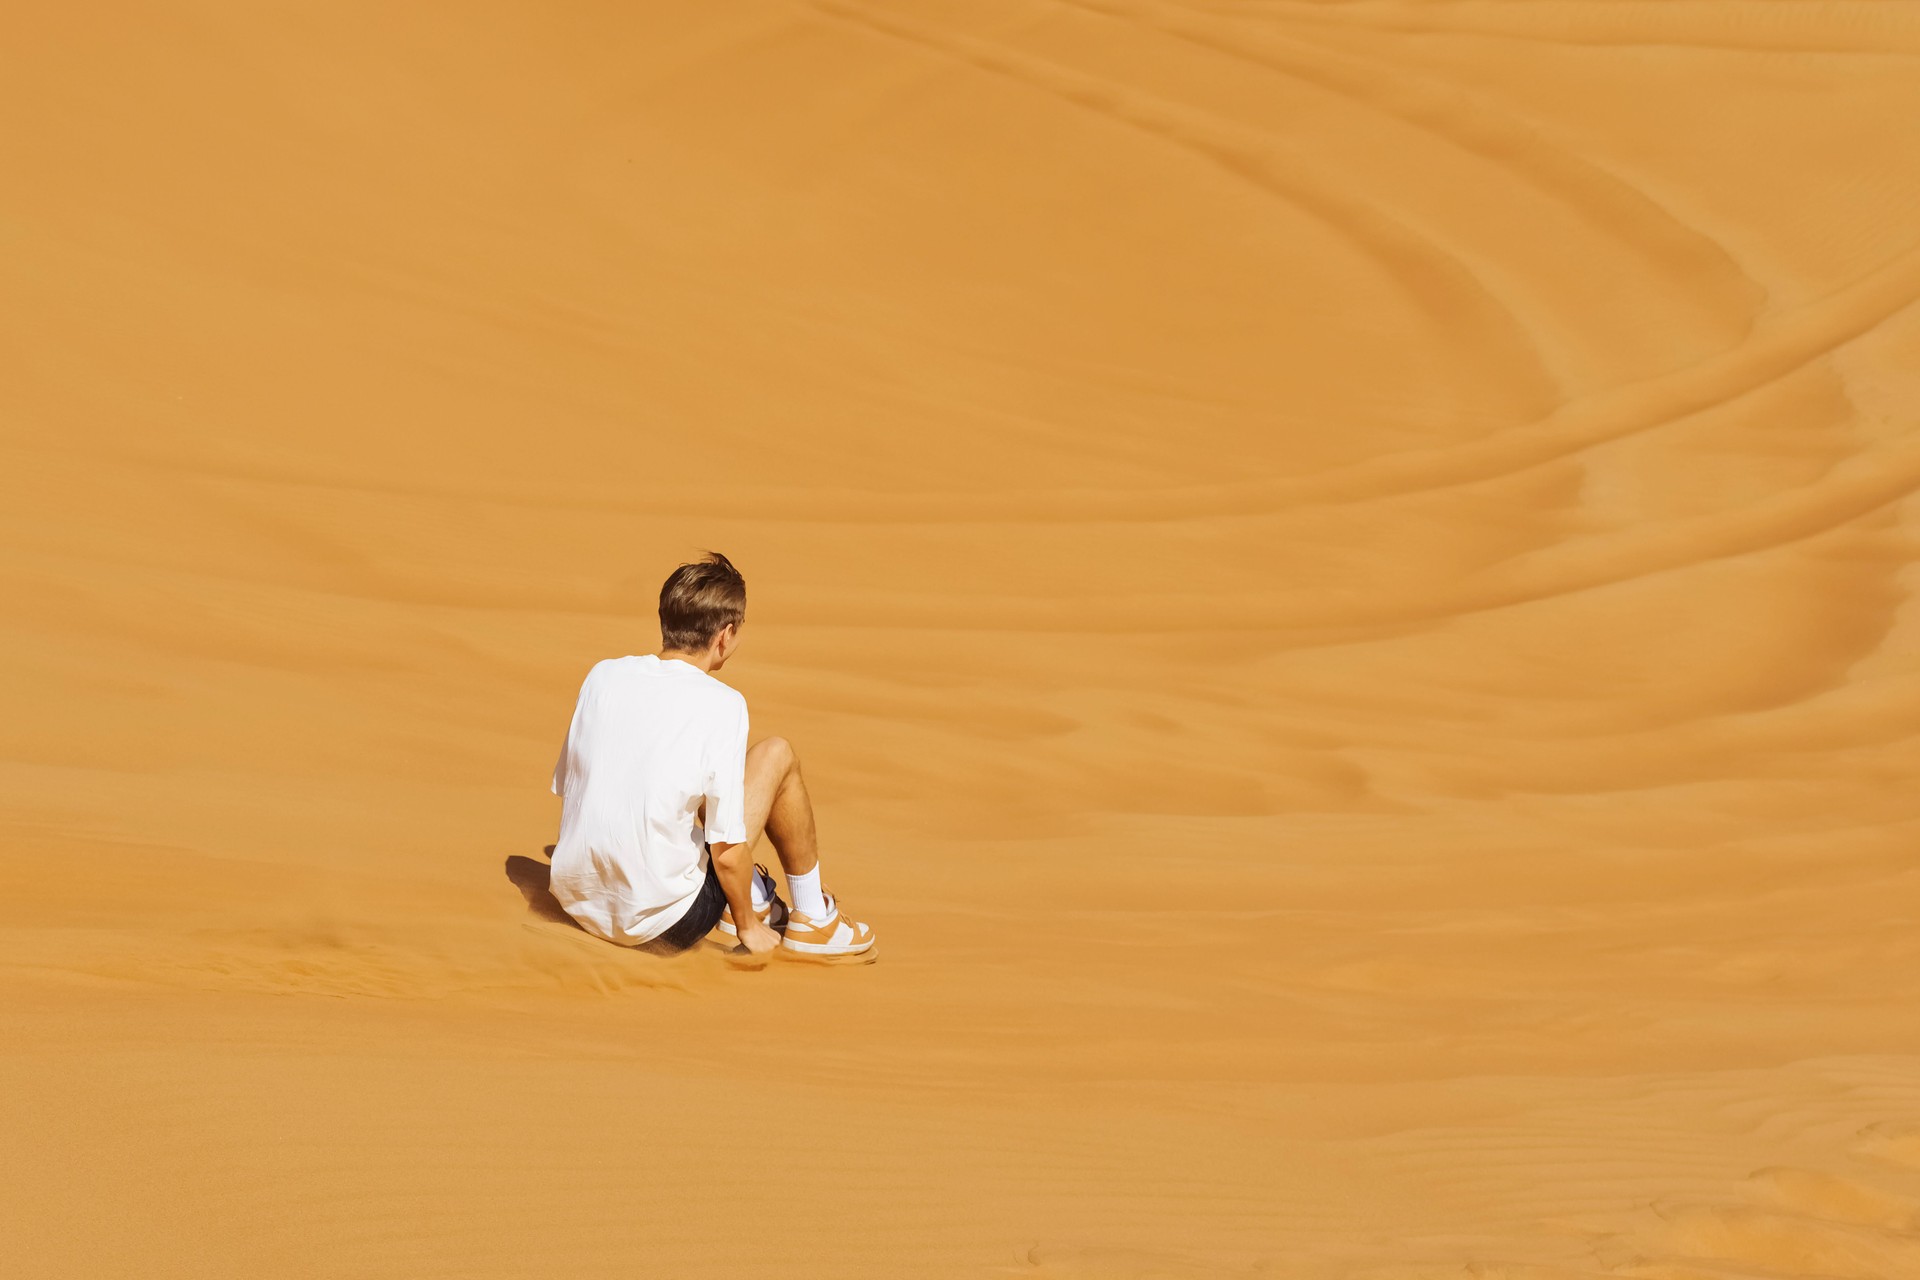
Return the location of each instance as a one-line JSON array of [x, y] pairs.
[[532, 878]]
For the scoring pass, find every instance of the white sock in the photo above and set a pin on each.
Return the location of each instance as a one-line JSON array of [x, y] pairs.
[[762, 888], [807, 898]]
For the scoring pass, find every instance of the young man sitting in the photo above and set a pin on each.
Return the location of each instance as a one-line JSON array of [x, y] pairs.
[[663, 800]]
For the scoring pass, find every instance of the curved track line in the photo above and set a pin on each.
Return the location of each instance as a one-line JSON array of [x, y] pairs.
[[1437, 282], [1596, 196], [1805, 29], [1781, 345]]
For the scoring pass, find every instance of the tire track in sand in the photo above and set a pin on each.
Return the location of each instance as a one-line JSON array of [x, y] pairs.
[[1465, 317], [1707, 279], [1781, 345]]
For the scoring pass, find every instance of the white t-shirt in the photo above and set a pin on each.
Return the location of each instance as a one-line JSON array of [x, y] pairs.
[[651, 740]]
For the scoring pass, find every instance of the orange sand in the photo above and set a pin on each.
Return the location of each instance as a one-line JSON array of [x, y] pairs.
[[1343, 574]]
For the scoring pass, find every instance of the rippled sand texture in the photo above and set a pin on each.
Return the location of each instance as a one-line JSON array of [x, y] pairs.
[[1343, 575]]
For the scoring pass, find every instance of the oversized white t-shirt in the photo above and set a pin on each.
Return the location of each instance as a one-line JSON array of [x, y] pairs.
[[651, 741]]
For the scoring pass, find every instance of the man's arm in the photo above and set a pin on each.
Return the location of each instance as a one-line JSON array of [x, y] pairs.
[[733, 865], [724, 812]]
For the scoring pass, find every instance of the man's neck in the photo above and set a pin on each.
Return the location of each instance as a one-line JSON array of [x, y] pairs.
[[702, 660]]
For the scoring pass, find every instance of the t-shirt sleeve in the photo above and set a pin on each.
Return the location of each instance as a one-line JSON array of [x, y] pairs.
[[727, 783], [560, 771]]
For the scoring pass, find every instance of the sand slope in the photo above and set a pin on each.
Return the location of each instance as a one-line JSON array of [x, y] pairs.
[[1342, 573]]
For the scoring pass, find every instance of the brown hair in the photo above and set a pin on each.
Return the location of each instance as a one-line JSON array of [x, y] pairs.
[[698, 600]]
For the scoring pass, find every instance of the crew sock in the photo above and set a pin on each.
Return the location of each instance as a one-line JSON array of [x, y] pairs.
[[762, 889], [807, 898]]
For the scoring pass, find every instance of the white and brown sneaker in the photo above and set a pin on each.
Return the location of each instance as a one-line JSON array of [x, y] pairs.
[[773, 915], [836, 937]]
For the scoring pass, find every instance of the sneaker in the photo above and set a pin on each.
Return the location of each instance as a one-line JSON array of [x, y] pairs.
[[837, 935], [773, 915]]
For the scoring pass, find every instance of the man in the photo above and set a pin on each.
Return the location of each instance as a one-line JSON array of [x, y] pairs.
[[663, 800]]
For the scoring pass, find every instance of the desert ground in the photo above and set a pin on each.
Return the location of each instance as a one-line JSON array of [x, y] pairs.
[[1343, 576]]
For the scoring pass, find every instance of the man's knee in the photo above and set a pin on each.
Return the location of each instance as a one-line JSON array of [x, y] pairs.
[[780, 755]]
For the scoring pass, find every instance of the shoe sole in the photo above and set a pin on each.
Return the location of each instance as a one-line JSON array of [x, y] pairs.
[[825, 953], [847, 960], [740, 957]]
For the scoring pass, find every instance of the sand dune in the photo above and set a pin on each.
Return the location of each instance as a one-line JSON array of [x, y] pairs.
[[1343, 575]]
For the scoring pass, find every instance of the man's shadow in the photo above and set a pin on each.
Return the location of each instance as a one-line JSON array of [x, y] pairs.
[[534, 879]]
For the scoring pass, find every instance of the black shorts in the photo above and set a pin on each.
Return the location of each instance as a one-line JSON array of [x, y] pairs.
[[702, 914]]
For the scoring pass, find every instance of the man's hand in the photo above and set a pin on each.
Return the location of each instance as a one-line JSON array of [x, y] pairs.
[[758, 938], [736, 879]]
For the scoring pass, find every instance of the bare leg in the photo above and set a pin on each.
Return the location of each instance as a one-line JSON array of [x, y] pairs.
[[777, 803]]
